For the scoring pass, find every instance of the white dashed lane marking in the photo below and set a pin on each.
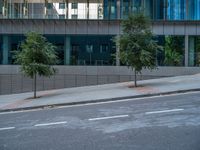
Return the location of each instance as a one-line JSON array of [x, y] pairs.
[[50, 123], [163, 111], [7, 128], [109, 117]]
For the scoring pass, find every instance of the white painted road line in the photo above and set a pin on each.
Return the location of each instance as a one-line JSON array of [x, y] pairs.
[[50, 123], [7, 128], [163, 111], [110, 117]]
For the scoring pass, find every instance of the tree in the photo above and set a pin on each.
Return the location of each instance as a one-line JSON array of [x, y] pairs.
[[137, 45], [36, 57]]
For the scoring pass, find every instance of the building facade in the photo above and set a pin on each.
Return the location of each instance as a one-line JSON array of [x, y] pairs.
[[83, 30]]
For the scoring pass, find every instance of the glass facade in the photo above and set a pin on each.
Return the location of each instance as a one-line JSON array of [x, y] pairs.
[[99, 49], [100, 9], [173, 52], [194, 51], [84, 49]]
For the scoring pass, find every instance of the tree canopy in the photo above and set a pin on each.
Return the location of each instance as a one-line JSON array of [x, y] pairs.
[[36, 56], [137, 44]]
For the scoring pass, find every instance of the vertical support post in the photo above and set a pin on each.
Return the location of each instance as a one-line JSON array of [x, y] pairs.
[[118, 9], [67, 48], [6, 48], [117, 52], [67, 8], [88, 16], [191, 52], [186, 50]]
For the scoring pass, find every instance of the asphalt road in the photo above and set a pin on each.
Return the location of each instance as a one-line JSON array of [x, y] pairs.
[[158, 123]]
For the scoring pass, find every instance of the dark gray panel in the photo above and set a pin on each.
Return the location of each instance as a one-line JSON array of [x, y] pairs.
[[124, 78], [92, 80], [102, 79], [16, 83], [81, 80], [6, 84]]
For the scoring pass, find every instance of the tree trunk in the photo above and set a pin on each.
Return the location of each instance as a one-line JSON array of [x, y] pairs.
[[35, 85], [135, 78]]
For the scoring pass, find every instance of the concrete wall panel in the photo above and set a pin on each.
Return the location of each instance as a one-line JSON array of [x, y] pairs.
[[6, 84], [11, 80], [81, 80], [91, 80]]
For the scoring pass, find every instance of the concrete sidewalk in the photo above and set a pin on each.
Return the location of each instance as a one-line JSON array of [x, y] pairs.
[[92, 94]]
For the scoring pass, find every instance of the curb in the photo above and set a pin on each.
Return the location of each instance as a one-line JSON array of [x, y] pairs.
[[97, 101]]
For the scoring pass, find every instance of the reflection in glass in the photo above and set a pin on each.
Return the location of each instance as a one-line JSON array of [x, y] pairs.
[[194, 51], [173, 52]]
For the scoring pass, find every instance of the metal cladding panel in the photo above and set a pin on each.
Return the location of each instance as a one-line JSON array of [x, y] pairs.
[[6, 26], [113, 27], [191, 29], [179, 29], [16, 27], [81, 27], [168, 28], [60, 27], [103, 27], [49, 27], [38, 26], [70, 27], [198, 28], [93, 27], [27, 26], [158, 28]]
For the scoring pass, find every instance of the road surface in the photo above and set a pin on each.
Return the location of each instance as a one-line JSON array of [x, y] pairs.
[[156, 123]]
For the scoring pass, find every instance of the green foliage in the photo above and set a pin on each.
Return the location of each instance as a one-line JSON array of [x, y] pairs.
[[198, 50], [173, 50], [36, 56], [137, 46]]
